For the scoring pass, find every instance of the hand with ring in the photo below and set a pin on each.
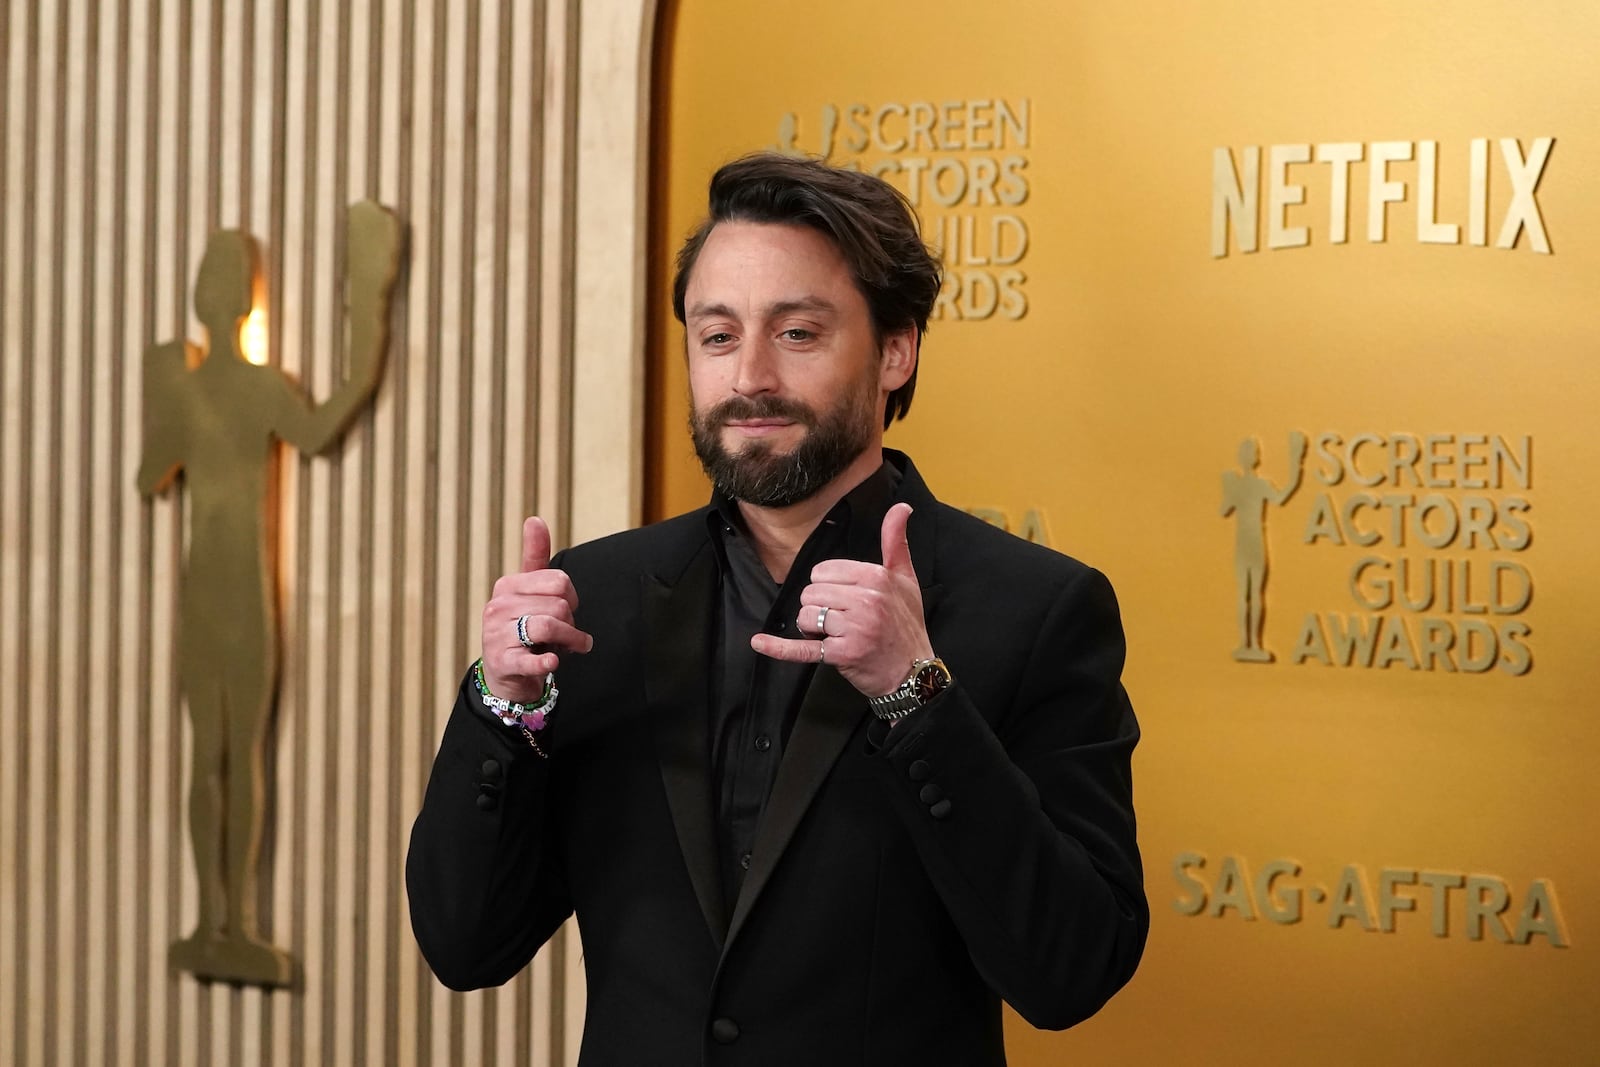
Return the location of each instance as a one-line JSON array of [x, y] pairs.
[[864, 619], [529, 622]]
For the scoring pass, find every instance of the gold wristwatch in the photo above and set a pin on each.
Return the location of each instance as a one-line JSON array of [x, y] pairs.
[[928, 678]]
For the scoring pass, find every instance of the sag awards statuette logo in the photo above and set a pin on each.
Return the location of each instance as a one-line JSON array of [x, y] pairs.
[[1431, 530], [963, 164], [212, 414], [1246, 495]]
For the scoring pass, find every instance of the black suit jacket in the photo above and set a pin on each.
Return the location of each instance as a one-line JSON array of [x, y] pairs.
[[895, 894]]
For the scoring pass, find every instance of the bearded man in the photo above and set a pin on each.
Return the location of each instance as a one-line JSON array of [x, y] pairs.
[[833, 768]]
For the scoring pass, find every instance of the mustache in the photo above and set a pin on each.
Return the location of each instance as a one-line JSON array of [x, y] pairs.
[[761, 407]]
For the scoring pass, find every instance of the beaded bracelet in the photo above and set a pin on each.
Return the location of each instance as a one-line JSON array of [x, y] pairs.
[[529, 718]]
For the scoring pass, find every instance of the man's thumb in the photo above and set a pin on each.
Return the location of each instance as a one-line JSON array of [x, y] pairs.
[[896, 549], [535, 544]]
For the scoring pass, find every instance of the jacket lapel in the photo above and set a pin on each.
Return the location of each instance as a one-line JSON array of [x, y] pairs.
[[829, 714], [678, 620]]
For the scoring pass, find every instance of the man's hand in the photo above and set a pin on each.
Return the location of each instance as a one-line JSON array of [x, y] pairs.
[[515, 672], [873, 629]]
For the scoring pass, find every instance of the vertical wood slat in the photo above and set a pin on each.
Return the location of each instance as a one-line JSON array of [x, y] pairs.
[[378, 576], [11, 296], [131, 131], [95, 487], [36, 586], [448, 1010], [154, 548], [413, 1031], [127, 254], [65, 773], [103, 205], [433, 1026], [14, 572], [400, 1024], [352, 597]]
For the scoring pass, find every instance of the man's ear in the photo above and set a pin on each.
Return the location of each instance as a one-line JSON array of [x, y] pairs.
[[899, 359]]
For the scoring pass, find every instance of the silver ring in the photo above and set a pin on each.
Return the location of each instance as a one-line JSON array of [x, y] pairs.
[[822, 652], [822, 621], [522, 632]]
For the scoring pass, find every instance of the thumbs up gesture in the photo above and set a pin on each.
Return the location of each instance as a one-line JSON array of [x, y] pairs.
[[873, 628], [545, 603]]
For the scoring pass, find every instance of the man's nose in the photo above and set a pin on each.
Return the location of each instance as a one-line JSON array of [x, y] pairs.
[[758, 367]]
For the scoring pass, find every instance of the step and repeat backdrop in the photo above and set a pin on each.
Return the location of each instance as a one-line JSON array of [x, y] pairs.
[[1284, 317]]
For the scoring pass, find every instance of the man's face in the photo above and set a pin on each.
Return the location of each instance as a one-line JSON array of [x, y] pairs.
[[787, 380]]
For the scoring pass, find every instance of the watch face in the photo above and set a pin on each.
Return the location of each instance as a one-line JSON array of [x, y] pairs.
[[930, 681]]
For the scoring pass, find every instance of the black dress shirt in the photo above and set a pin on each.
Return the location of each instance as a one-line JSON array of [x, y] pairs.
[[754, 699]]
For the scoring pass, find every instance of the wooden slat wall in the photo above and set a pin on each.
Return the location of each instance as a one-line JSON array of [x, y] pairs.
[[130, 129]]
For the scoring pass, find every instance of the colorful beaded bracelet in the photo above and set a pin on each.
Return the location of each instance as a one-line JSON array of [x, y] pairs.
[[529, 718]]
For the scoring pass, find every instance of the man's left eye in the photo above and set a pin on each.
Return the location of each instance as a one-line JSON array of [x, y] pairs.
[[797, 334]]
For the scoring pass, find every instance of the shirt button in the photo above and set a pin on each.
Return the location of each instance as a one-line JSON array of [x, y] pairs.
[[931, 794], [919, 771], [744, 861], [724, 1031], [763, 743]]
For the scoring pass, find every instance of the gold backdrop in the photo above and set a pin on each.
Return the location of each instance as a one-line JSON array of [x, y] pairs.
[[1368, 831]]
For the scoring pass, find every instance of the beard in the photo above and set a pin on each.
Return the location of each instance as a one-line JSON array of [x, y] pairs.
[[757, 474]]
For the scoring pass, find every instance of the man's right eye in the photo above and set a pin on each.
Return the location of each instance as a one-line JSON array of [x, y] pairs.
[[719, 339]]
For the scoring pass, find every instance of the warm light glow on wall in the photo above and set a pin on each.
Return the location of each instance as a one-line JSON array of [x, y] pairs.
[[253, 337]]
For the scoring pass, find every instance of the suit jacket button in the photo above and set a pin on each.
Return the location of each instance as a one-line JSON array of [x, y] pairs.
[[487, 802], [724, 1031], [941, 809], [491, 770], [919, 770], [931, 794]]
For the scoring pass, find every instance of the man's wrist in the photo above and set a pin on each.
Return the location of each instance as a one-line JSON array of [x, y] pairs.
[[927, 679], [530, 718]]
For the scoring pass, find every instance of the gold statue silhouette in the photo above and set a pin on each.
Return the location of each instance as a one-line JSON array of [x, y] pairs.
[[1246, 492], [789, 132], [828, 126], [212, 414]]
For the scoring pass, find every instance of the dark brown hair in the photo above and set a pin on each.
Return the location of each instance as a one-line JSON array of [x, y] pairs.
[[869, 220]]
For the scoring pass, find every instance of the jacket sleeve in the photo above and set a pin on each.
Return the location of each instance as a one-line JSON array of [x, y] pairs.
[[1026, 826], [483, 872]]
